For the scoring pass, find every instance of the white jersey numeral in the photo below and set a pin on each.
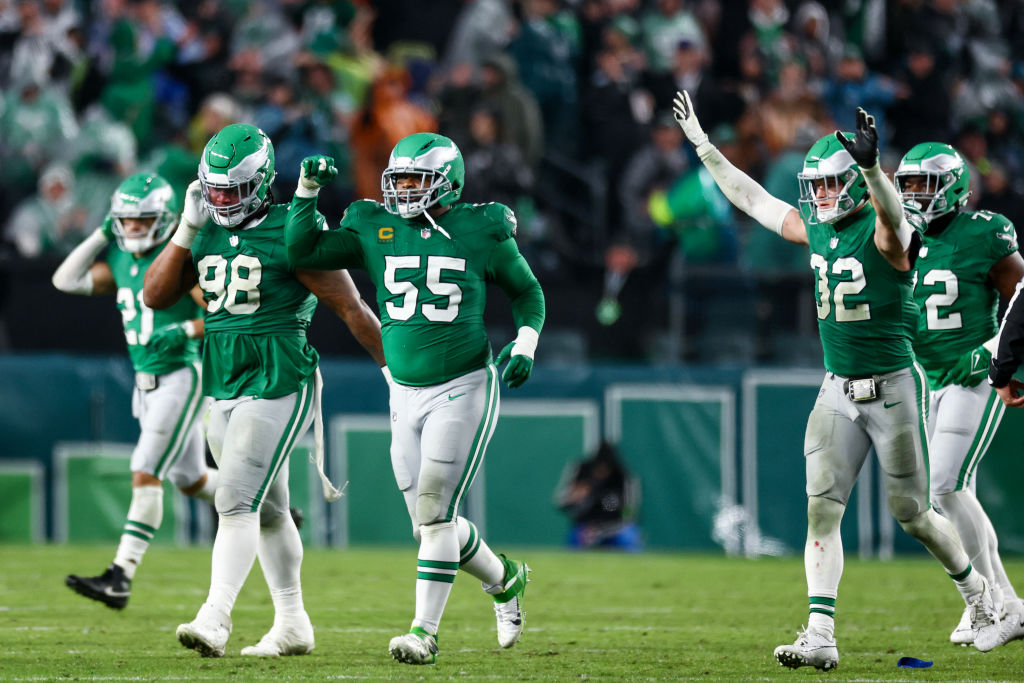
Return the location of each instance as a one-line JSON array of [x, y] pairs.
[[827, 297], [947, 297], [240, 296], [436, 265], [132, 306]]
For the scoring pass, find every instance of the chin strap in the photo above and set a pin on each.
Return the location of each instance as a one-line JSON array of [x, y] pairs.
[[430, 219]]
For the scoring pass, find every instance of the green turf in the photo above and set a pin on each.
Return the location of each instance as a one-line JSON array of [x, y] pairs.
[[589, 616]]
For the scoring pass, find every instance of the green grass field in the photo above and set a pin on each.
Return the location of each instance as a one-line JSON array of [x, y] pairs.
[[589, 616]]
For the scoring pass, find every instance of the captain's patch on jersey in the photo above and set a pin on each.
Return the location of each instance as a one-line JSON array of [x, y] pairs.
[[385, 234]]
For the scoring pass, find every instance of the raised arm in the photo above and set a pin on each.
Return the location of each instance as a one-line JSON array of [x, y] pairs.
[[309, 245], [79, 273], [171, 274], [336, 289], [509, 270], [739, 188], [893, 232]]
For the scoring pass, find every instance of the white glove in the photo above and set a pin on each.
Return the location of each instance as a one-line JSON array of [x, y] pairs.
[[686, 117], [193, 216]]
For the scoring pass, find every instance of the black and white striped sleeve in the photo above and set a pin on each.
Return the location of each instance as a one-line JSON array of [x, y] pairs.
[[1009, 343]]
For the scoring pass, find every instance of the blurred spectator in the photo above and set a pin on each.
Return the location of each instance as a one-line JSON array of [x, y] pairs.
[[789, 108], [457, 96], [690, 72], [603, 500], [387, 118], [103, 153], [50, 222], [923, 109], [1000, 196], [654, 168], [546, 51], [814, 43], [484, 28], [665, 25], [768, 24], [515, 106], [1005, 138], [495, 170], [854, 86], [217, 111]]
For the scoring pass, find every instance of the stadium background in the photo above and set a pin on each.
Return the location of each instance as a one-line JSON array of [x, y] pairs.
[[674, 326]]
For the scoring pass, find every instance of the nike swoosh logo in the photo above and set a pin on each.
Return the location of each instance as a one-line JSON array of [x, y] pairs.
[[115, 594], [452, 398], [890, 405]]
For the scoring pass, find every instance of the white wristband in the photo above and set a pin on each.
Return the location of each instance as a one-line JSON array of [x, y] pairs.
[[190, 329], [306, 192], [526, 342], [185, 235]]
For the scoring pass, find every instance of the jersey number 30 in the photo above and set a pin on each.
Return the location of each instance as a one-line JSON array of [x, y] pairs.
[[410, 295]]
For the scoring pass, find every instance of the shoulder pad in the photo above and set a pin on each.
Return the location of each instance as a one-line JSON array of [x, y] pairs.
[[502, 218], [359, 210]]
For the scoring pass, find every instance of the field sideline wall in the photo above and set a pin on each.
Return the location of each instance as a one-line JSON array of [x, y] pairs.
[[718, 452]]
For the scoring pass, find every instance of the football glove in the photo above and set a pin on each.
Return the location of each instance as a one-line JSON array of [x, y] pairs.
[[107, 228], [193, 216], [316, 172], [686, 117], [518, 369], [970, 369], [864, 146], [168, 339]]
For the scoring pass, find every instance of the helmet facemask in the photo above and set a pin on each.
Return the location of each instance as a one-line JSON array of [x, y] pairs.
[[432, 160], [830, 168], [235, 172], [945, 179], [142, 197]]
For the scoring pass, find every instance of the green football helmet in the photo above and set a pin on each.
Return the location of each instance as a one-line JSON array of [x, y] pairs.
[[828, 165], [236, 171], [946, 179], [144, 195], [439, 165]]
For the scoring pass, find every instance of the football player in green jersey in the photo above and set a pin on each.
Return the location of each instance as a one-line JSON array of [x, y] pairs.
[[261, 372], [164, 350], [966, 260], [874, 394], [431, 258]]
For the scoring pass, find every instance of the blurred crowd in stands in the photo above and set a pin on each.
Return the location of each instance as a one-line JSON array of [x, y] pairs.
[[561, 108]]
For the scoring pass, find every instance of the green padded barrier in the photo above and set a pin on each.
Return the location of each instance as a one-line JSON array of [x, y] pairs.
[[680, 441], [92, 489], [23, 512]]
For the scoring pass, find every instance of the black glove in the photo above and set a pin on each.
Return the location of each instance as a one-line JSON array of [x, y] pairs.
[[864, 146]]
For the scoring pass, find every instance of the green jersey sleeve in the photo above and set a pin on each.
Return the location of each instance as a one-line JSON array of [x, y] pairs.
[[1005, 241], [311, 245], [509, 270]]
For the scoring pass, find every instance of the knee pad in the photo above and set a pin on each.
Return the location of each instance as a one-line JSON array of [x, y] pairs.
[[906, 510], [229, 501], [429, 506], [824, 515]]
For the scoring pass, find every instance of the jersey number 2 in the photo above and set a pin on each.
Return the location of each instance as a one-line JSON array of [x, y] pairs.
[[409, 293]]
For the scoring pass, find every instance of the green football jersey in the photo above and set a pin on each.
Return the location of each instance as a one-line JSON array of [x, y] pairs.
[[957, 300], [866, 310], [432, 283], [257, 312], [140, 321]]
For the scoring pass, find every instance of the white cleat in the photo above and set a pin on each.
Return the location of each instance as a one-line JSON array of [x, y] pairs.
[[984, 619], [810, 649], [416, 647], [284, 639], [1011, 627], [508, 605], [207, 634], [963, 634]]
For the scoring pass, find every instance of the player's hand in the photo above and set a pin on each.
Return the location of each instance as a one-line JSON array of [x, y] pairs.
[[864, 146], [316, 172], [1012, 395], [970, 369], [107, 228], [195, 212], [686, 117], [168, 339], [519, 366]]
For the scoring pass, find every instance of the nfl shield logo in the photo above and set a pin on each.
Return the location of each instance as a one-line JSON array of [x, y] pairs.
[[425, 233], [233, 240], [833, 243]]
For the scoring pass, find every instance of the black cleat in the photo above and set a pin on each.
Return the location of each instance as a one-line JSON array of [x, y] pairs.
[[112, 587]]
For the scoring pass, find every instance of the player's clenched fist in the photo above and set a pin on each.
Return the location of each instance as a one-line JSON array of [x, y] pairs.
[[316, 171]]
